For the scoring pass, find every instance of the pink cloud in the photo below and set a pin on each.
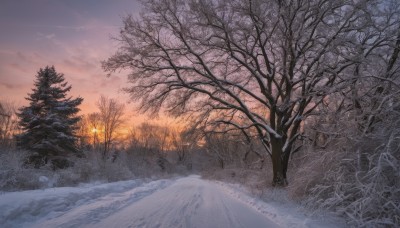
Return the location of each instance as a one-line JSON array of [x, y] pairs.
[[75, 50]]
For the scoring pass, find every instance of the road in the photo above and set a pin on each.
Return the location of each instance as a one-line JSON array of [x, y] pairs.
[[172, 203], [187, 202]]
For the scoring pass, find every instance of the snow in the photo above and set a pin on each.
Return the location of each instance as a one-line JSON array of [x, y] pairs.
[[43, 179], [184, 202]]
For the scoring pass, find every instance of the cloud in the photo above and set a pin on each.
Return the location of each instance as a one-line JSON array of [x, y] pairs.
[[21, 59], [18, 67], [11, 86], [86, 27], [73, 40], [74, 28], [79, 64], [50, 36], [42, 36]]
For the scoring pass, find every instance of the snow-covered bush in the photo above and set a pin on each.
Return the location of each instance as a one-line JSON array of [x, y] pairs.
[[15, 174], [94, 167], [356, 176], [369, 197], [256, 180]]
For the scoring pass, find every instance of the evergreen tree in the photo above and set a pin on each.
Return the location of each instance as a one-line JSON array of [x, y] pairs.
[[49, 122]]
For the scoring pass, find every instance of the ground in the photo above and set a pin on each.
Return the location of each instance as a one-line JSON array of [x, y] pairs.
[[180, 202]]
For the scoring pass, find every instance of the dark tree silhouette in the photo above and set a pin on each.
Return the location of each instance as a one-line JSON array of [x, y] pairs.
[[49, 121]]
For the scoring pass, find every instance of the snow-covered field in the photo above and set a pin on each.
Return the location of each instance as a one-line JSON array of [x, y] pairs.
[[183, 202]]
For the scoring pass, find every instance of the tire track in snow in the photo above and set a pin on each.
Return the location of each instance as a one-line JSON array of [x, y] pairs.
[[94, 212], [188, 202]]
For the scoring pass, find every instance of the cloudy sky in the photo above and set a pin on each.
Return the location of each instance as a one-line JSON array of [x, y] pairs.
[[72, 35]]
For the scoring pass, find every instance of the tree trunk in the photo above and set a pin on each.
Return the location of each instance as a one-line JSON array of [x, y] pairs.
[[221, 163], [278, 164]]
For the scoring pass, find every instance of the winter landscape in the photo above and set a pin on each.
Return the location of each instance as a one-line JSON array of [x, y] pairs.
[[200, 113]]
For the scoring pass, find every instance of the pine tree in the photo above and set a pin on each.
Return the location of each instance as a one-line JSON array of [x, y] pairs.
[[49, 122]]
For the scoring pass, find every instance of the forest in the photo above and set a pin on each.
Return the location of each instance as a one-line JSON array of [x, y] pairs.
[[297, 95]]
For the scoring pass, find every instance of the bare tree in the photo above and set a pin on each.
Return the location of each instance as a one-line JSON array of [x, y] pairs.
[[183, 141], [150, 142], [254, 65], [153, 137], [90, 129], [111, 116], [95, 126], [8, 123], [82, 132]]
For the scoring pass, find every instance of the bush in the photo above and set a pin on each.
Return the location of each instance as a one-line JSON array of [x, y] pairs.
[[16, 175], [358, 178]]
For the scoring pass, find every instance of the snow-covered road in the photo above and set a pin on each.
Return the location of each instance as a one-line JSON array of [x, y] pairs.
[[183, 202]]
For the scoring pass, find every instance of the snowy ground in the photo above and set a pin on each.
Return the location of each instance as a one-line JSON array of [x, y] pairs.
[[183, 202]]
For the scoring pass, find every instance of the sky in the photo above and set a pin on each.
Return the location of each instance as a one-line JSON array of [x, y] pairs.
[[73, 35]]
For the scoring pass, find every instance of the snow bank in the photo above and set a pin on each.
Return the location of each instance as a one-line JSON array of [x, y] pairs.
[[275, 205]]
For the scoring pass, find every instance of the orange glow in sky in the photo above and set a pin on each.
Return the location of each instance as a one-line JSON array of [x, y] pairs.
[[73, 35]]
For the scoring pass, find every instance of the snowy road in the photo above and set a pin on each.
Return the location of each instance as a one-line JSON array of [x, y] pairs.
[[184, 202]]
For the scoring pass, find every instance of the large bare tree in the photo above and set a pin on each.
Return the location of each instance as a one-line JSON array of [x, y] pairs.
[[258, 66]]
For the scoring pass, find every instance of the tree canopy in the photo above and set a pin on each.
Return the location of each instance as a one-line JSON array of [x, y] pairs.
[[260, 67]]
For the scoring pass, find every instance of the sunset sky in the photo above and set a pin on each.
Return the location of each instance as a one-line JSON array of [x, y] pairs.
[[72, 35]]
